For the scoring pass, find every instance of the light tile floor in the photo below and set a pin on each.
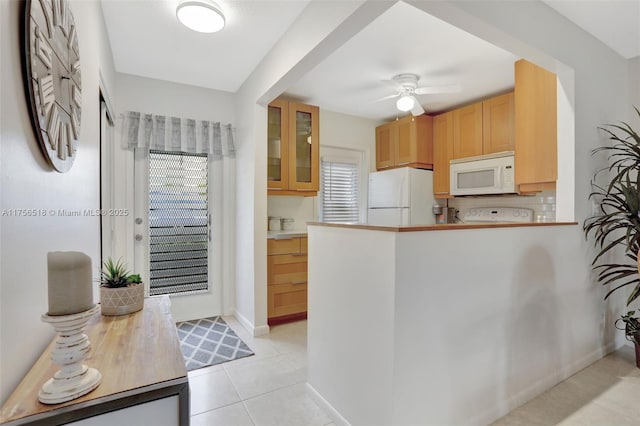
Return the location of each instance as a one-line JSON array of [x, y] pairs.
[[269, 389], [607, 393]]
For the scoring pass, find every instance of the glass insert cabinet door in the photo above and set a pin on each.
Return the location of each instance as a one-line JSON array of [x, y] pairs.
[[293, 146], [303, 147], [277, 145]]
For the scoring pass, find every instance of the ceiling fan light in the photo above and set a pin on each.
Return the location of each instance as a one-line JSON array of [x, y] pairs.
[[203, 16], [405, 103]]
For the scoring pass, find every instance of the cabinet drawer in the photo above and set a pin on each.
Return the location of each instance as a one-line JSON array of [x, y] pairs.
[[303, 245], [286, 299], [289, 246], [286, 269]]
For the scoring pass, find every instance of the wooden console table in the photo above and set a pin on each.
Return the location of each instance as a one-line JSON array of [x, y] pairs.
[[140, 361]]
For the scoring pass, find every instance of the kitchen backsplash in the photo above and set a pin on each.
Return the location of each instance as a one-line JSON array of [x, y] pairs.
[[542, 204], [300, 209]]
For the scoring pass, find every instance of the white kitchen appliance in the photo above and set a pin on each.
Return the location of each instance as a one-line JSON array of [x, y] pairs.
[[402, 196], [484, 174], [497, 215]]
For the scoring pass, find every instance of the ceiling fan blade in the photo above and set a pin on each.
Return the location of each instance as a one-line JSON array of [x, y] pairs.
[[387, 97], [429, 90], [417, 108]]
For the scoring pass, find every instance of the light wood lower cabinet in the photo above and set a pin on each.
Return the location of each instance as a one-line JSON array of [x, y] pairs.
[[286, 279]]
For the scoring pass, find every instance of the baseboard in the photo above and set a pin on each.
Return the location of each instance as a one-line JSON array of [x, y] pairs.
[[540, 386], [326, 407], [249, 326]]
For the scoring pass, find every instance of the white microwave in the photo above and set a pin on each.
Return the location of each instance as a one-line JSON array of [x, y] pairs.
[[484, 174]]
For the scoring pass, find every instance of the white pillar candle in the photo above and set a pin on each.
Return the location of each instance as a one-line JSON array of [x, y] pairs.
[[70, 286]]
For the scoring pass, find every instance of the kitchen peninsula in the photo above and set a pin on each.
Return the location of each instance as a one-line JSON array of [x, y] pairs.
[[410, 326]]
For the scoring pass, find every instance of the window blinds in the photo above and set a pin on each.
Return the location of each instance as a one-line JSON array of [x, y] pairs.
[[339, 190], [178, 222]]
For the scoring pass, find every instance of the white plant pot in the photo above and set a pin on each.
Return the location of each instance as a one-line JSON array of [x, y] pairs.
[[121, 300]]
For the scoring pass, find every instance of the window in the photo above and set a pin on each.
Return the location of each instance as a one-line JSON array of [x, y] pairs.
[[178, 222], [339, 190]]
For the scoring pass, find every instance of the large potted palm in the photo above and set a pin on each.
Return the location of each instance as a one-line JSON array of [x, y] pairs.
[[617, 225]]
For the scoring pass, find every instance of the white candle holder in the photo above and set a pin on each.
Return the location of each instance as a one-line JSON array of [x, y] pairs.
[[74, 379]]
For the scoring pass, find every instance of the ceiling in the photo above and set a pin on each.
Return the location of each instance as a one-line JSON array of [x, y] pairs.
[[162, 48], [350, 80], [614, 22]]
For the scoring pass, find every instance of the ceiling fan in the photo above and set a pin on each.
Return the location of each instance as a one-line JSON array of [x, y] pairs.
[[407, 87]]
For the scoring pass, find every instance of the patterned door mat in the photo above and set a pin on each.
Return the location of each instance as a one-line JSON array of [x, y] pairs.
[[209, 341]]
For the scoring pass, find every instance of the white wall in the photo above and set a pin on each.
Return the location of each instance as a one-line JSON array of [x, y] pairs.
[[350, 342], [134, 93], [634, 84], [153, 96], [447, 327], [519, 314], [304, 44], [351, 132], [28, 182]]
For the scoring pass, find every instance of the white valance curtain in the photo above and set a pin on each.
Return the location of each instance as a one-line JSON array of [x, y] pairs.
[[174, 134]]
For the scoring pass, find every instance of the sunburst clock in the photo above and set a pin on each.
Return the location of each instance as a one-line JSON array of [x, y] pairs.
[[52, 64]]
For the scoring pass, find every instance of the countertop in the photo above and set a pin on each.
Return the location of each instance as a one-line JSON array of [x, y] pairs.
[[442, 227], [281, 235]]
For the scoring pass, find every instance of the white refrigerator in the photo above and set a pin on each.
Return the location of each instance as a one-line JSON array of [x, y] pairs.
[[401, 196]]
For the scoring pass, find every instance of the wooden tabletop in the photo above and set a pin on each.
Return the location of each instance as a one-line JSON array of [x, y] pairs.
[[134, 353]]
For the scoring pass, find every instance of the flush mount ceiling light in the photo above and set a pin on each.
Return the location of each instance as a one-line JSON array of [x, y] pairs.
[[405, 103], [203, 16]]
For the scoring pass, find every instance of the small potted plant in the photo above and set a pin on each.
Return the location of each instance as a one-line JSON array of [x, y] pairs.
[[121, 293], [631, 330]]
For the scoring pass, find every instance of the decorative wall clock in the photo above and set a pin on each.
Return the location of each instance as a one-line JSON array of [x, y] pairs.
[[52, 63]]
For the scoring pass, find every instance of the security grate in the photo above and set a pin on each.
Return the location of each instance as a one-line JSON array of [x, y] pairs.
[[178, 222]]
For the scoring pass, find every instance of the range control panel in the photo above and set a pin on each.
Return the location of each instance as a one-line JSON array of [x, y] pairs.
[[498, 214]]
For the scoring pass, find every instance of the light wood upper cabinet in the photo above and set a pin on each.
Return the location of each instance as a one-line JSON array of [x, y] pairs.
[[481, 128], [293, 139], [467, 131], [442, 153], [278, 145], [536, 127], [304, 147], [498, 124], [405, 142], [385, 147]]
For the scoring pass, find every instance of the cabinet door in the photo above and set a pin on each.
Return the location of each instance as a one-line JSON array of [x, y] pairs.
[[406, 145], [497, 124], [286, 299], [286, 269], [385, 140], [467, 131], [536, 130], [442, 153], [304, 148], [278, 145]]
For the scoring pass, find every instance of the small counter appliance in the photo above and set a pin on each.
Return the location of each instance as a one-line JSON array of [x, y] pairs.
[[444, 214]]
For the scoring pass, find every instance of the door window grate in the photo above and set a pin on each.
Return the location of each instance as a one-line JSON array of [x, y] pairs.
[[178, 223]]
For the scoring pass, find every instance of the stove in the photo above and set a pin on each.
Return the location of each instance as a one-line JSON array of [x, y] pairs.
[[498, 215]]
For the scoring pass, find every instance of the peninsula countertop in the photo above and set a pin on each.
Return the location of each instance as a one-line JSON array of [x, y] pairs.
[[441, 227]]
